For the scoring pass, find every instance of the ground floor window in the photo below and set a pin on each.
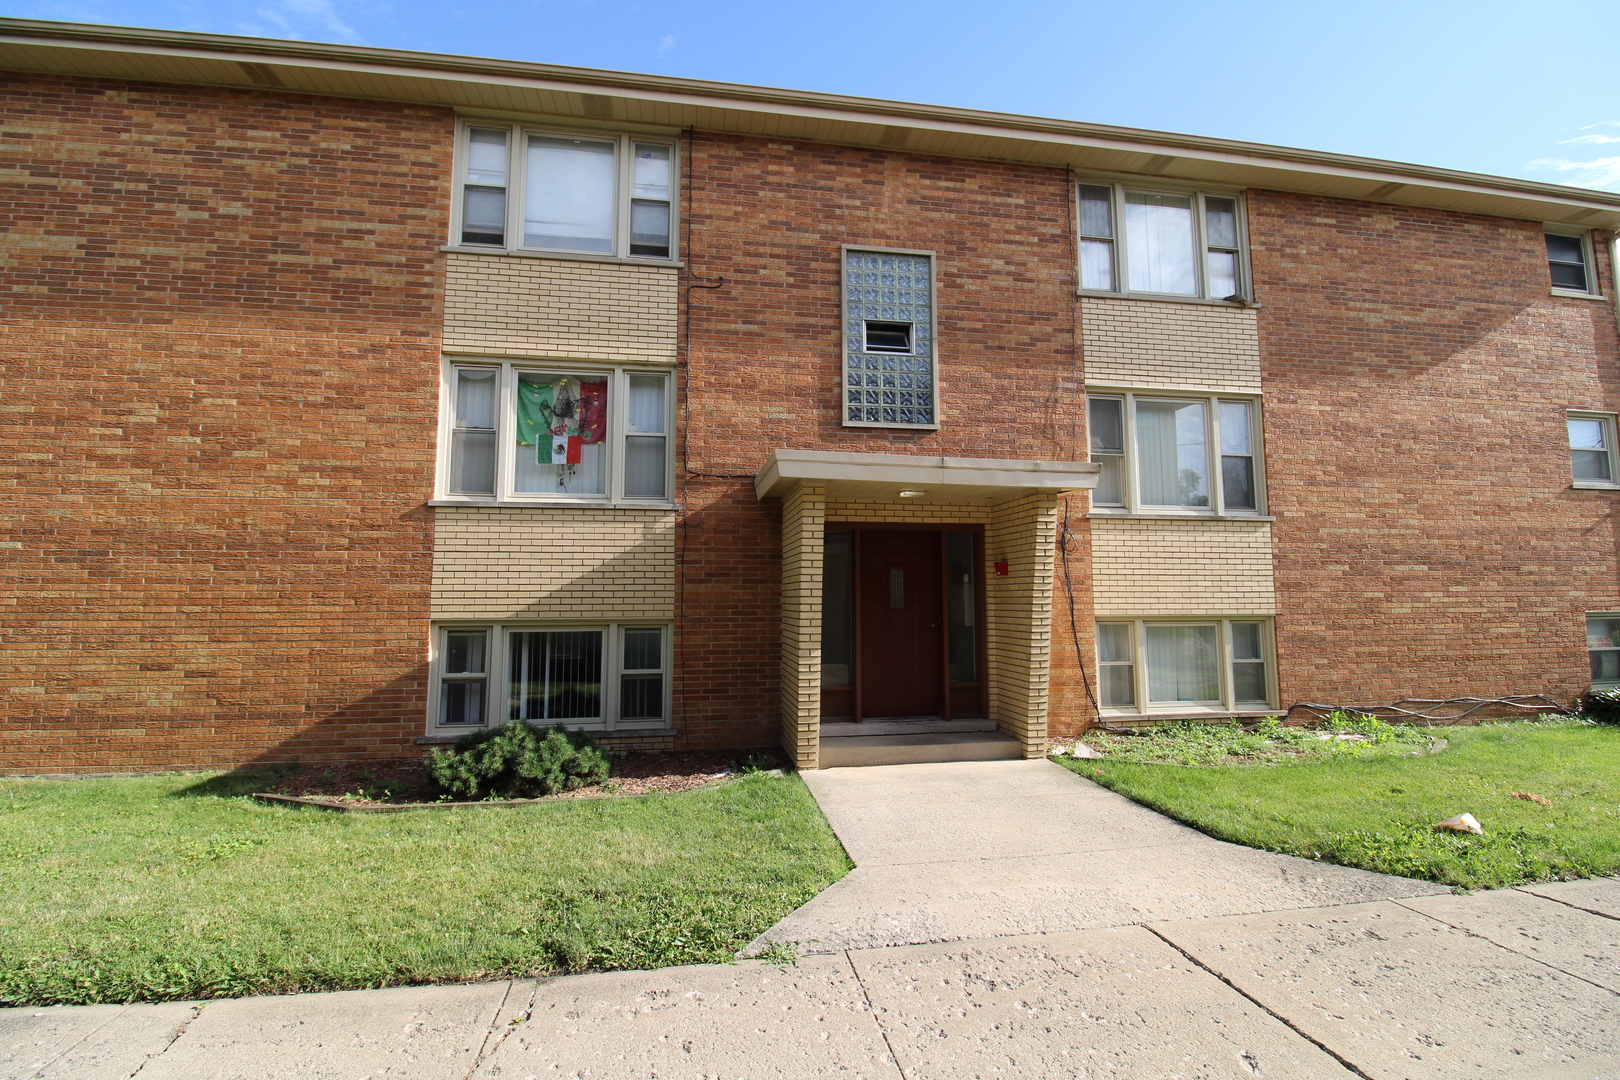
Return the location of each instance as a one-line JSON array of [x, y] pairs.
[[603, 676], [1603, 649], [1163, 665]]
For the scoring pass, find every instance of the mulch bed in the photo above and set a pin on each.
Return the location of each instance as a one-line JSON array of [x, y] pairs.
[[398, 782]]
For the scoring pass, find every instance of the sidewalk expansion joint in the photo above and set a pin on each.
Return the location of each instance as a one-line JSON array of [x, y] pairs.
[[1508, 948], [499, 1032], [876, 1022], [1263, 1007], [1566, 903]]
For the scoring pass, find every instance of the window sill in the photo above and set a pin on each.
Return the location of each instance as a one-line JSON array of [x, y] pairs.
[[573, 256], [1593, 485], [1188, 714], [557, 504], [1178, 517], [445, 738], [1576, 295], [1251, 305]]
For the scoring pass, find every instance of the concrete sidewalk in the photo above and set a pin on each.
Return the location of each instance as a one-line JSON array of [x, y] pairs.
[[979, 849], [1520, 984]]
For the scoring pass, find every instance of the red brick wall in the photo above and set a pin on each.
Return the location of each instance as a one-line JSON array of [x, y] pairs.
[[765, 363], [223, 316], [1416, 374]]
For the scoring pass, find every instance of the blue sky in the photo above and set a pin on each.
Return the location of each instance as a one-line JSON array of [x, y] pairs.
[[1517, 89]]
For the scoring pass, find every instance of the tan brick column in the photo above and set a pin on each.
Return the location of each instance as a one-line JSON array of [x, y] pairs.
[[804, 518], [1021, 534]]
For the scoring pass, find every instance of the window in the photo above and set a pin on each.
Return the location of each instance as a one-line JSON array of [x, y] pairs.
[[1603, 649], [888, 340], [1160, 243], [1568, 263], [516, 432], [1175, 453], [601, 677], [1217, 665], [552, 191], [1591, 449]]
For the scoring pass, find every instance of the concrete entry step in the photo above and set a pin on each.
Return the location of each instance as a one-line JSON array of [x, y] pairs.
[[845, 751], [902, 725]]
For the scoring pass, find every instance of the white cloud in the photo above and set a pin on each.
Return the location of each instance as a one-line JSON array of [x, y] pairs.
[[1601, 173], [301, 18], [1593, 139], [668, 43]]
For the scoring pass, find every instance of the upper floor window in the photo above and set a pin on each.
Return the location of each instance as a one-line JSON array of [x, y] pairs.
[[1569, 262], [1163, 243], [522, 432], [1591, 449], [1177, 453], [552, 191], [890, 369]]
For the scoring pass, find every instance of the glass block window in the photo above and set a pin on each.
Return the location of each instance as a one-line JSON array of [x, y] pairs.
[[889, 369]]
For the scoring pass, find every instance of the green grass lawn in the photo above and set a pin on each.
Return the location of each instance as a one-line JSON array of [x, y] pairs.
[[168, 886], [1376, 809]]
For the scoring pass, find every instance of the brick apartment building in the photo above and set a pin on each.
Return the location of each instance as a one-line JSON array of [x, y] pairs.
[[356, 399]]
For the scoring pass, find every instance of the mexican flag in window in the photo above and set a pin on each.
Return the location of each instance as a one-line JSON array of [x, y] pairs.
[[562, 423], [560, 416]]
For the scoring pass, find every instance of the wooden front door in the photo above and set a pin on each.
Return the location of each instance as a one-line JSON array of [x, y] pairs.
[[902, 623]]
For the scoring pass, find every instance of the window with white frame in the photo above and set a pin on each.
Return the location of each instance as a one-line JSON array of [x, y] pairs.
[[1569, 262], [1175, 453], [890, 368], [1591, 449], [1218, 665], [523, 187], [600, 676], [1603, 648], [517, 431], [1161, 243]]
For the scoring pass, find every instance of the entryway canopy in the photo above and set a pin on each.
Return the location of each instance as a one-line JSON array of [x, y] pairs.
[[1013, 528], [914, 478]]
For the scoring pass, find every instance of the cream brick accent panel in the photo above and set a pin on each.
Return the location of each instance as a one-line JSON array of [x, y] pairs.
[[1156, 343], [1143, 568], [510, 306], [1019, 619], [803, 545], [519, 562], [909, 513]]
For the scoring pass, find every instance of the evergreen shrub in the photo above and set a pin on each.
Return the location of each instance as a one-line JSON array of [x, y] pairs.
[[1602, 706], [517, 761]]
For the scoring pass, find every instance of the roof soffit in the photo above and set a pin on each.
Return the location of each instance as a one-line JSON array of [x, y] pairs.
[[510, 86]]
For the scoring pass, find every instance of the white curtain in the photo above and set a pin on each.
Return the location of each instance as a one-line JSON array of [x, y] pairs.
[[644, 469], [1172, 452], [1159, 243], [569, 204], [1183, 663]]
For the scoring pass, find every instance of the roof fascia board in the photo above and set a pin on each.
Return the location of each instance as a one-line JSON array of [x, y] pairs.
[[802, 104]]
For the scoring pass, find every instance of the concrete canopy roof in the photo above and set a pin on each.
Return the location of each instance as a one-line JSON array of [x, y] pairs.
[[656, 101], [882, 477]]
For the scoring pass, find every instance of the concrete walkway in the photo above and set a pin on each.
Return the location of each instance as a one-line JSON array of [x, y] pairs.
[[978, 849], [1386, 979]]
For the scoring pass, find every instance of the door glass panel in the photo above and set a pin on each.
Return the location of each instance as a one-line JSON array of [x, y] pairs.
[[837, 609], [961, 590], [897, 587]]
